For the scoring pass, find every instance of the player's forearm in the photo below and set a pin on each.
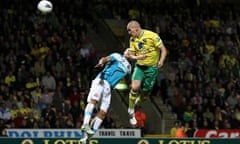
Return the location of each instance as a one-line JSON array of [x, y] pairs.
[[129, 55], [102, 61], [163, 54], [134, 57]]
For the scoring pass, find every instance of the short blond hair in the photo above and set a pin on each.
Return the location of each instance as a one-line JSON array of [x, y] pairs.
[[134, 24]]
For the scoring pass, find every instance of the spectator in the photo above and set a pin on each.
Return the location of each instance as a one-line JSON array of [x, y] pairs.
[[65, 106], [48, 81], [193, 129], [2, 128], [140, 116], [3, 133], [39, 67], [231, 100], [174, 129], [74, 96], [171, 92], [35, 110], [180, 133], [5, 112], [47, 98], [30, 120], [18, 120], [36, 95], [188, 114], [60, 65], [14, 111], [209, 115], [69, 121], [25, 109], [60, 120], [31, 84], [11, 99], [10, 79], [49, 116], [75, 111]]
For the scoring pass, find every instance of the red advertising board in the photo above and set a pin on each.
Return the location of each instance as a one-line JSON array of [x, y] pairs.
[[202, 133]]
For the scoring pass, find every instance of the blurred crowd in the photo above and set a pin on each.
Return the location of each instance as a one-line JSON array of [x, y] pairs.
[[46, 61], [202, 82], [46, 65]]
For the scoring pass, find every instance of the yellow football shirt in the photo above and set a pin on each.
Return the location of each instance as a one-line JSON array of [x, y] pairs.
[[147, 44], [14, 113]]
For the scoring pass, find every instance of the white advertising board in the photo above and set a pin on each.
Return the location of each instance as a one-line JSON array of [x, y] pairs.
[[72, 133]]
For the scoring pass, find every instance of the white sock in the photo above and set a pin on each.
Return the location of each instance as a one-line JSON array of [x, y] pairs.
[[131, 111], [88, 113], [97, 124]]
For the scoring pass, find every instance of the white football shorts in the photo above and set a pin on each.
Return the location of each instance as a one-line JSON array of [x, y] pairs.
[[101, 92]]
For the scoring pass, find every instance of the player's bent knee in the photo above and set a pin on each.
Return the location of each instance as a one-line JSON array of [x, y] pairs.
[[102, 114], [135, 86], [93, 101]]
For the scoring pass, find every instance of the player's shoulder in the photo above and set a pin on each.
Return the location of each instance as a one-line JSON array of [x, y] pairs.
[[150, 32], [116, 55]]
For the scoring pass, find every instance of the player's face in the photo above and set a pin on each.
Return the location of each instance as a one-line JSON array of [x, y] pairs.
[[132, 31]]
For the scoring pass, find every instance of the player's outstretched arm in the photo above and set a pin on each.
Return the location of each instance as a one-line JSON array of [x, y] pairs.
[[102, 61]]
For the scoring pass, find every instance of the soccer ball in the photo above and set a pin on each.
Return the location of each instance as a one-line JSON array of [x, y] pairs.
[[45, 6]]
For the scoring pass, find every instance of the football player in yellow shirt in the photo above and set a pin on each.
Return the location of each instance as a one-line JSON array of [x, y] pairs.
[[147, 48]]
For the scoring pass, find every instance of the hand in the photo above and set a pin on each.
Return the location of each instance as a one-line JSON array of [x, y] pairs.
[[126, 53], [99, 65], [141, 57], [160, 64]]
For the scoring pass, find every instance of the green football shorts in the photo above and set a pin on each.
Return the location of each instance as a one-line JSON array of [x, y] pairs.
[[147, 75]]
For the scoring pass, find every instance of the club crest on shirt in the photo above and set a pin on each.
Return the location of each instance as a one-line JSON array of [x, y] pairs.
[[140, 45]]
